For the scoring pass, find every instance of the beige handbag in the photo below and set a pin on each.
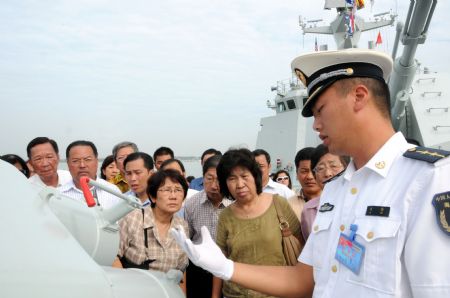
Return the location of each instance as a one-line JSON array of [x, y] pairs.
[[291, 245]]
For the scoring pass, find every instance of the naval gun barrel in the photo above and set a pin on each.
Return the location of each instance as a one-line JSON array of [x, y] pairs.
[[113, 214], [405, 67]]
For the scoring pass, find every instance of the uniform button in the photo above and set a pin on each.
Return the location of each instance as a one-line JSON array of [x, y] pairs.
[[334, 268], [354, 190], [342, 228], [316, 228], [370, 235]]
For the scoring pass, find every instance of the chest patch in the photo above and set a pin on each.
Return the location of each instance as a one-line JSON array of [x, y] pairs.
[[441, 203], [326, 207]]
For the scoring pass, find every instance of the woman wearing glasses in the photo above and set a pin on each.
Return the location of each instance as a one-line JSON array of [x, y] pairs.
[[283, 177], [324, 166], [248, 231], [145, 241]]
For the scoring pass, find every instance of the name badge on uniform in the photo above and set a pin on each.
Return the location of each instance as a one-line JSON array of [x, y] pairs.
[[382, 211], [349, 252]]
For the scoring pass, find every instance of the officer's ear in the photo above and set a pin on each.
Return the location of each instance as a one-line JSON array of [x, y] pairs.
[[360, 97]]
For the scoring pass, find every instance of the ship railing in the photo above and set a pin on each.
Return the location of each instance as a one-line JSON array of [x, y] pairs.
[[425, 79], [445, 109], [436, 127], [426, 93]]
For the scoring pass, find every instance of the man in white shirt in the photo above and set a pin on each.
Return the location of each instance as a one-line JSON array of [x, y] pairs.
[[382, 229], [138, 168], [270, 186], [82, 160], [43, 155]]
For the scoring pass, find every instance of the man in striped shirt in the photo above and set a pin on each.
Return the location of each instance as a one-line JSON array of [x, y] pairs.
[[203, 209]]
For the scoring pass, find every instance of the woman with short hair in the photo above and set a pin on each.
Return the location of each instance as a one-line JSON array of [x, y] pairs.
[[145, 241], [248, 230]]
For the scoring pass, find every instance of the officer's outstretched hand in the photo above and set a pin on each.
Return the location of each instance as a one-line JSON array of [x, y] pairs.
[[206, 254]]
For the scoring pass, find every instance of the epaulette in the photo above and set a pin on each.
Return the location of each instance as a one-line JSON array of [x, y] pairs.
[[430, 155]]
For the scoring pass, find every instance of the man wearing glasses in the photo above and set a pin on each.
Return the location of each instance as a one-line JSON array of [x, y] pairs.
[[82, 160], [324, 167]]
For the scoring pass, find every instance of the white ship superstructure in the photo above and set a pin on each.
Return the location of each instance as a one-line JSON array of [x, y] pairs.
[[419, 102]]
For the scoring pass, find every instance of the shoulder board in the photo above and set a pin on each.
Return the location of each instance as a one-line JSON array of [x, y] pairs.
[[430, 155], [334, 177]]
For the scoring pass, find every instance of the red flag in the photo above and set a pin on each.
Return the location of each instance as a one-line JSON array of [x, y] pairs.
[[379, 40]]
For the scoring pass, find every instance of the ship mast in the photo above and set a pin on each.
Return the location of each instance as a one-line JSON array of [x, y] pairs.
[[346, 28]]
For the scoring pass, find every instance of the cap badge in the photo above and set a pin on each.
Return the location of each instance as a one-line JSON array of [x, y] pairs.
[[380, 165]]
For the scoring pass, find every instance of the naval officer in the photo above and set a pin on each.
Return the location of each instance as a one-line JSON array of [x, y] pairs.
[[382, 229]]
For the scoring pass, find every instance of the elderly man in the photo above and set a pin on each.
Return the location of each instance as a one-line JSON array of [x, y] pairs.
[[203, 209], [43, 155], [82, 160], [382, 227]]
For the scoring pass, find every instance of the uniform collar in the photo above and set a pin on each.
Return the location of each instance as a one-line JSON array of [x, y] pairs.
[[382, 161]]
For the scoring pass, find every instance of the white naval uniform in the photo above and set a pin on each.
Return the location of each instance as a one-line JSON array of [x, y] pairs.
[[406, 253]]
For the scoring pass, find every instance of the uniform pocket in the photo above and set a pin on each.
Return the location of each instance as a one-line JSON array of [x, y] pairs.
[[320, 230], [379, 268]]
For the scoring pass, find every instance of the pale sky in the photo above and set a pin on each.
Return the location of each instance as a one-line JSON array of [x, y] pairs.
[[185, 74]]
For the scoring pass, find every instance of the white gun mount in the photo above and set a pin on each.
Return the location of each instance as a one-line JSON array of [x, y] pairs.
[[55, 246]]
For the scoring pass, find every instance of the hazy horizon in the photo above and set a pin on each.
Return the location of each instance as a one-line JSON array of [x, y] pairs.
[[187, 75]]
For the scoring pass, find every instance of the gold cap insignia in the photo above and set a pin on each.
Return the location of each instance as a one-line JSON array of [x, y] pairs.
[[380, 165]]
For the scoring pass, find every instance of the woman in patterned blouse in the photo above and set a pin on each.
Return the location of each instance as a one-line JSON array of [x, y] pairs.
[[145, 241]]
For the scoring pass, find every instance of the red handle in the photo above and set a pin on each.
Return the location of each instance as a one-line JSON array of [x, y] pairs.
[[86, 192]]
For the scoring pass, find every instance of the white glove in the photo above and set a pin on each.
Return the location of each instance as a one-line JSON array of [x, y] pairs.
[[206, 254]]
